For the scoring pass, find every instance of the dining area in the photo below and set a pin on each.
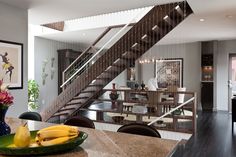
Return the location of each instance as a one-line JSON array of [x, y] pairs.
[[98, 143]]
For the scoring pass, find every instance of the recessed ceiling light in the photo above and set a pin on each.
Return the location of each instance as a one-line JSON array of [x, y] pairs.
[[83, 34], [202, 20], [229, 16]]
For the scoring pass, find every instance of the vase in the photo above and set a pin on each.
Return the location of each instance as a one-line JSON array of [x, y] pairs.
[[136, 85], [4, 128], [114, 95], [142, 85]]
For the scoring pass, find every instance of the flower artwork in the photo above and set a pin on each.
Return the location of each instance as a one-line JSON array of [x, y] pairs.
[[11, 64], [6, 99], [7, 66]]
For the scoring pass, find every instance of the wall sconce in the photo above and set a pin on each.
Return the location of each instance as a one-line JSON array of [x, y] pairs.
[[44, 65], [52, 62], [44, 74], [52, 73], [52, 68]]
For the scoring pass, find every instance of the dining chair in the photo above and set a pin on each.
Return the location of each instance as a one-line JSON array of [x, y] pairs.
[[31, 116], [139, 129], [170, 97], [80, 121], [181, 97]]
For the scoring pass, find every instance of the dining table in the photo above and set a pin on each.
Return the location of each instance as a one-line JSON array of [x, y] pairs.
[[101, 143]]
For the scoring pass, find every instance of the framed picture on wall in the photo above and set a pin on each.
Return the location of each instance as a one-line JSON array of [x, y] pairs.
[[11, 62], [169, 72]]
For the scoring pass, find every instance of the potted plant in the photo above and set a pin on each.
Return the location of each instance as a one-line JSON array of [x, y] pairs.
[[33, 95]]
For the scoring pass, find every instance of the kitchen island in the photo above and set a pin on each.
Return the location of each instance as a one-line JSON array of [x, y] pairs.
[[109, 144]]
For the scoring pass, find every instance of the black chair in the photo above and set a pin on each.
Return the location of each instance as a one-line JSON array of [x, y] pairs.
[[139, 129], [80, 121], [31, 116]]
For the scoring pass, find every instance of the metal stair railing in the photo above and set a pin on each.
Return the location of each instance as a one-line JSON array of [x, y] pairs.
[[84, 61], [85, 55]]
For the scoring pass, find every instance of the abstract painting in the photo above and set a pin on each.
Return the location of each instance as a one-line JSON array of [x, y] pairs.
[[169, 72], [11, 64]]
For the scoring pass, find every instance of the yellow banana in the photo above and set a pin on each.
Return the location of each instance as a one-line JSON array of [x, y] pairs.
[[62, 127], [12, 146], [37, 140], [34, 144], [49, 134], [58, 140]]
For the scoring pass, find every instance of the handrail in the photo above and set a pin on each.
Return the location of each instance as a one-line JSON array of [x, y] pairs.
[[91, 46], [172, 110], [94, 43], [95, 55], [85, 51]]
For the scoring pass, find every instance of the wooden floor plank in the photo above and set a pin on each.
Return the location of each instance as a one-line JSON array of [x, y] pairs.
[[214, 137]]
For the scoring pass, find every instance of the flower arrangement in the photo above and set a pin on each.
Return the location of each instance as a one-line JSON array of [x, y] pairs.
[[6, 99]]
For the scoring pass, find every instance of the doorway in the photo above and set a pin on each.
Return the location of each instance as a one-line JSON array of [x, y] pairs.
[[231, 80]]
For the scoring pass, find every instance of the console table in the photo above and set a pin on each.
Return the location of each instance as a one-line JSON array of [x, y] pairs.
[[155, 101]]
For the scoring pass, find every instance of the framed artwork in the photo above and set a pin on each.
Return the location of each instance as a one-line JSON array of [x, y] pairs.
[[169, 72], [11, 61]]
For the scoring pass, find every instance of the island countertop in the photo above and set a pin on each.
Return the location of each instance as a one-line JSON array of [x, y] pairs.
[[109, 144]]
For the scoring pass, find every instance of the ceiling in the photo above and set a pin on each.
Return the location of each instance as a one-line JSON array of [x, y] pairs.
[[217, 26], [86, 37], [47, 11]]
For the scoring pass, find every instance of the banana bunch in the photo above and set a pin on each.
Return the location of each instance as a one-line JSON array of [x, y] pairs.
[[56, 135]]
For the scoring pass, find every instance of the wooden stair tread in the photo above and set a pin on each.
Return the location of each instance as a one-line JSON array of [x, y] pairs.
[[95, 85], [73, 103], [111, 71], [67, 109], [60, 114], [80, 97], [104, 78], [88, 91], [118, 66]]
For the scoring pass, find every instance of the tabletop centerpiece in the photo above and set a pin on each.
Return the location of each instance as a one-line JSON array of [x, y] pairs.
[[113, 95], [6, 100]]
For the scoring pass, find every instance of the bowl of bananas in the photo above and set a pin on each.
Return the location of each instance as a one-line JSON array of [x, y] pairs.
[[50, 140]]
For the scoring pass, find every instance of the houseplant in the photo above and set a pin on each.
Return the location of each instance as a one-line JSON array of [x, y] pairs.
[[6, 99], [33, 95]]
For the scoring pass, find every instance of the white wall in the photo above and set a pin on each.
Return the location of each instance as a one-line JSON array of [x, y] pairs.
[[45, 49], [120, 80], [224, 49], [191, 54], [13, 27]]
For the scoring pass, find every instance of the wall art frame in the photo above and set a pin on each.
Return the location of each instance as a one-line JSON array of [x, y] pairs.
[[11, 61], [169, 72]]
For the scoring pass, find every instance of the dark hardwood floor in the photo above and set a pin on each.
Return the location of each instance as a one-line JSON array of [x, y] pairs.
[[214, 137]]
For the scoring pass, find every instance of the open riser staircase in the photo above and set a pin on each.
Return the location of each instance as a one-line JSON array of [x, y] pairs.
[[159, 21]]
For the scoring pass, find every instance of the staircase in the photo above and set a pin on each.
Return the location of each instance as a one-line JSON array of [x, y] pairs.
[[89, 82]]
